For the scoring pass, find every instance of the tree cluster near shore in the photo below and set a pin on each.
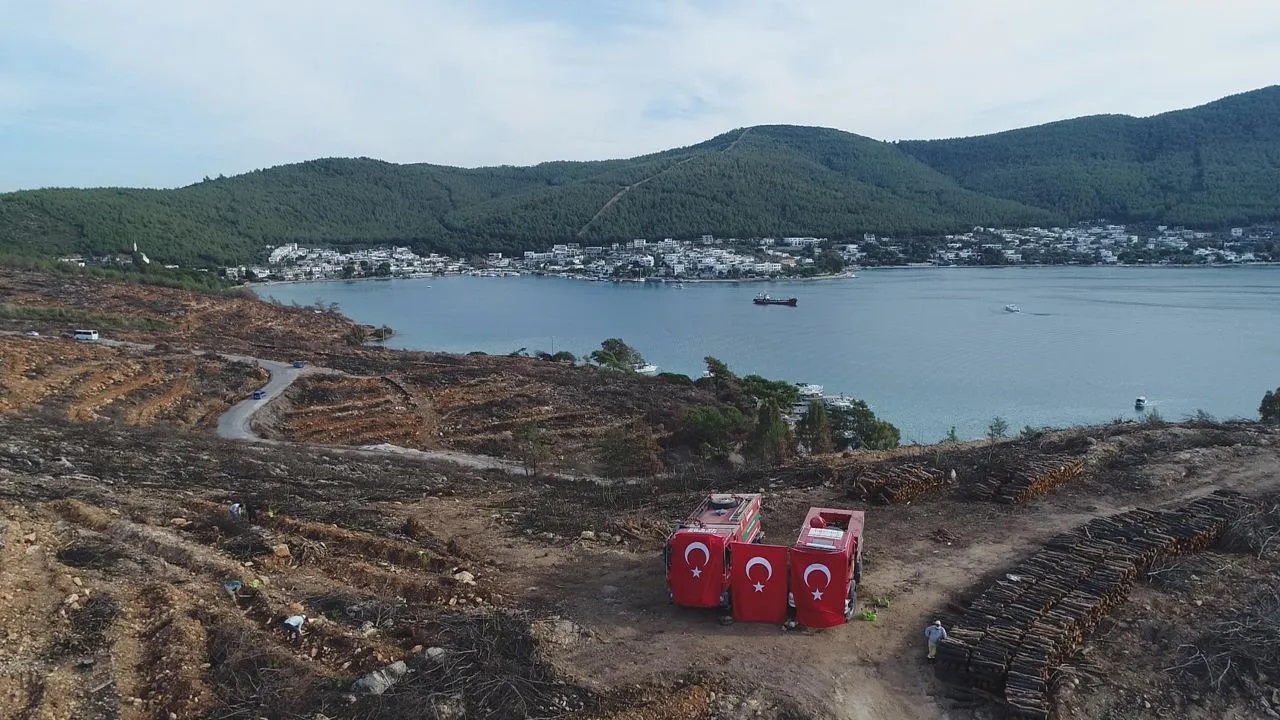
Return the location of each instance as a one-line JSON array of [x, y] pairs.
[[751, 420]]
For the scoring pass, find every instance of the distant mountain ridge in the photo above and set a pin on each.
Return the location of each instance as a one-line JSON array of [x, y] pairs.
[[1211, 165]]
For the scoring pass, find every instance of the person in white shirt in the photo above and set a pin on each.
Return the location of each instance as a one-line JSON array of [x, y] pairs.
[[934, 634]]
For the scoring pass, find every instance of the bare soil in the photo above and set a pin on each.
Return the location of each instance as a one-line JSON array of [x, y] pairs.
[[139, 517], [227, 322], [119, 558], [89, 382], [476, 404]]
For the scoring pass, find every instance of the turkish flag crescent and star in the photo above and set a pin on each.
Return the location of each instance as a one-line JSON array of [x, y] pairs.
[[696, 574], [820, 584], [759, 582]]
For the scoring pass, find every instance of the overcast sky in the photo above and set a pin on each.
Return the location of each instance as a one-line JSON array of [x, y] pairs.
[[163, 92]]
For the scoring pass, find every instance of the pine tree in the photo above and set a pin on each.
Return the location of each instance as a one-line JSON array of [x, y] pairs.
[[1269, 410], [629, 450], [771, 441], [815, 429]]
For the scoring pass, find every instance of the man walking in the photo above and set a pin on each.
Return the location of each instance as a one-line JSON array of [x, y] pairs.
[[934, 633]]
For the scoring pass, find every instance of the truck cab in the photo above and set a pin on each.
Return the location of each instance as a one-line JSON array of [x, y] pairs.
[[697, 553], [826, 567]]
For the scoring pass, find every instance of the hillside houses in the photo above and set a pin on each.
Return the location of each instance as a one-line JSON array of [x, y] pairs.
[[1104, 244], [710, 258]]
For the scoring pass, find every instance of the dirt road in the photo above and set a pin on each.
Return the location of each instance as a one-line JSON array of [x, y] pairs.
[[234, 423]]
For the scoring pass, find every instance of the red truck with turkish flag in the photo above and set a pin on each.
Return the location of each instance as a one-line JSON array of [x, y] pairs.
[[758, 582], [697, 553], [826, 567]]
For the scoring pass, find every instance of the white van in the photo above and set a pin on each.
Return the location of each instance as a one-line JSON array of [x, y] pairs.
[[86, 335]]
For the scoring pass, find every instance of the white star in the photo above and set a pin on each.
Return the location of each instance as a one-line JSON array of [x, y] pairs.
[[697, 572], [817, 594], [759, 587]]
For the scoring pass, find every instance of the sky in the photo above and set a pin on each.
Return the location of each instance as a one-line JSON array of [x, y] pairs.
[[158, 93]]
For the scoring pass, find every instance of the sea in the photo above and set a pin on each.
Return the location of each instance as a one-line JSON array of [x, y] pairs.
[[929, 349]]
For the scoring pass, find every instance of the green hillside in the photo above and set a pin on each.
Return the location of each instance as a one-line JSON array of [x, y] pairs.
[[1213, 165], [1216, 164]]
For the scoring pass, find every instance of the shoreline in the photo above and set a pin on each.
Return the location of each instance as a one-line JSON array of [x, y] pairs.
[[844, 275], [847, 275]]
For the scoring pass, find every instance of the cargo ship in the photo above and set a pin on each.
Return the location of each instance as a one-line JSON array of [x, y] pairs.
[[766, 300]]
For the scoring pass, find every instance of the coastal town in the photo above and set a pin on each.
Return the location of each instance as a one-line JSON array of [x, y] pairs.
[[715, 258]]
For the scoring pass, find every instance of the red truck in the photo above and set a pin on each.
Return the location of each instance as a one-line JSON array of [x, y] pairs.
[[697, 553], [826, 567]]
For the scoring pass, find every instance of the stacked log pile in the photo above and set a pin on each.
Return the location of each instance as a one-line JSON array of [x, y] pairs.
[[1031, 478], [1012, 634], [897, 484]]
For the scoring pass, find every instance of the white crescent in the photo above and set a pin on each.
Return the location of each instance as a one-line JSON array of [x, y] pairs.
[[706, 552], [760, 561], [818, 567]]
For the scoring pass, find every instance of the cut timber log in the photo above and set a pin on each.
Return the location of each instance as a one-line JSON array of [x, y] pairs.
[[1012, 635], [1031, 479], [897, 484]]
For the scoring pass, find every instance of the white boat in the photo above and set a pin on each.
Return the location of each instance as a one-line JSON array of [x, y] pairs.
[[647, 369], [1012, 308], [810, 391]]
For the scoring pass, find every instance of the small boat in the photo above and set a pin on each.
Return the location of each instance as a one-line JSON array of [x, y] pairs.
[[810, 391], [1012, 308], [1140, 403], [646, 369], [766, 300]]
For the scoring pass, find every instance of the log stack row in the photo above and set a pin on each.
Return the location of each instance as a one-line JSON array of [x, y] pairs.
[[1032, 478], [897, 484], [1011, 635]]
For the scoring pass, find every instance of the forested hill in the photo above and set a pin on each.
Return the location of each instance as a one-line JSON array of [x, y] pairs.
[[1213, 165], [761, 181], [1210, 165]]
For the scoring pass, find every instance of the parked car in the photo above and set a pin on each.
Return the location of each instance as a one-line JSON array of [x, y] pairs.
[[259, 394], [298, 363]]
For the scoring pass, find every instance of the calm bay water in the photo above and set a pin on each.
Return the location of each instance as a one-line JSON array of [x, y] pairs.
[[927, 348]]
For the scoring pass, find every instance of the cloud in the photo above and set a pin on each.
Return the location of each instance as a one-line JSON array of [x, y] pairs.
[[189, 89]]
